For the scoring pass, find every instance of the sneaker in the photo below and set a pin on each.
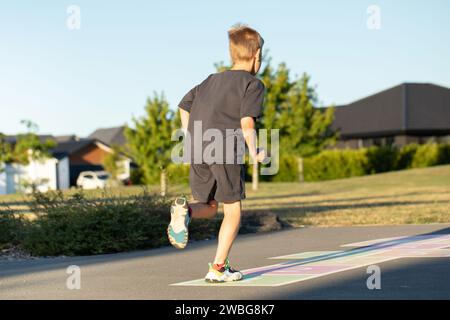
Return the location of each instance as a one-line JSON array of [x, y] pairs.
[[177, 231], [224, 274], [234, 275]]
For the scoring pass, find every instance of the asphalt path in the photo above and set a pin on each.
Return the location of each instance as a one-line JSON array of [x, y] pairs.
[[151, 274]]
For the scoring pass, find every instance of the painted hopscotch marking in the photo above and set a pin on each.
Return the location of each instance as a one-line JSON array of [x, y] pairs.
[[308, 265]]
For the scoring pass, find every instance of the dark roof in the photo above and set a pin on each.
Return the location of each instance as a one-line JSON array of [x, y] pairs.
[[66, 138], [409, 108], [70, 147], [110, 136]]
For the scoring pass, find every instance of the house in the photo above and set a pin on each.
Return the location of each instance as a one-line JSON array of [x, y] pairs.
[[45, 174], [110, 136], [86, 154], [71, 156], [406, 113]]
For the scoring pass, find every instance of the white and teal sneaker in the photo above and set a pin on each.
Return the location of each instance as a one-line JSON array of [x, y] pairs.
[[177, 230], [225, 274]]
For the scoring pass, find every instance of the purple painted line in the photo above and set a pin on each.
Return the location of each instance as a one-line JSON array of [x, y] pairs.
[[409, 241], [262, 270], [399, 253]]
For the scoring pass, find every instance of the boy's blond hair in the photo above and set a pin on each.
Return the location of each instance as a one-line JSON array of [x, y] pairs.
[[244, 42]]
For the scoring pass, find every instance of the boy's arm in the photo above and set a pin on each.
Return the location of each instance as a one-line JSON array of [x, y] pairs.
[[248, 129], [185, 106], [251, 108]]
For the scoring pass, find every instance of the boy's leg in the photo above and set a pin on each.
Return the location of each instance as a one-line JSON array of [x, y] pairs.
[[201, 210], [228, 230], [202, 184], [181, 215], [230, 191]]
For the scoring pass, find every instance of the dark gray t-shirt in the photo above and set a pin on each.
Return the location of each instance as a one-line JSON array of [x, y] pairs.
[[222, 99]]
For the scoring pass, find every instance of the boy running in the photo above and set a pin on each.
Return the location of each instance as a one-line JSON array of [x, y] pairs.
[[229, 100]]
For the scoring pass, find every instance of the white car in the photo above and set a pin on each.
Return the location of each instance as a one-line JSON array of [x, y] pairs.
[[93, 179]]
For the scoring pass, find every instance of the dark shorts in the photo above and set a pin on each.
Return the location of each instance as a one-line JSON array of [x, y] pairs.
[[221, 182]]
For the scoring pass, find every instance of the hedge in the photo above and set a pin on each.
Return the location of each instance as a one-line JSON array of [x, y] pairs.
[[75, 225], [12, 229], [336, 164], [176, 174], [342, 163]]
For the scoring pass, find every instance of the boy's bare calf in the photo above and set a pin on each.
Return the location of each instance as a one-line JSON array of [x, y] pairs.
[[201, 210], [228, 230], [230, 224]]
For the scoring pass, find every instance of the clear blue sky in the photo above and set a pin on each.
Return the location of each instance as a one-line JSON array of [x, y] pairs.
[[99, 76]]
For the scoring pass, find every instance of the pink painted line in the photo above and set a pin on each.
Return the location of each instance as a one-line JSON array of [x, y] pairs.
[[421, 246], [308, 270]]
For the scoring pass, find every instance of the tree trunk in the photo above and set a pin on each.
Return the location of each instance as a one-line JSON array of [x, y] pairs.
[[255, 176], [300, 169], [163, 182]]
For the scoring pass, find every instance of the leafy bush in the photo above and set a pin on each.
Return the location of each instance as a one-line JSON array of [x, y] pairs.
[[426, 155], [178, 173], [336, 164], [380, 159], [444, 154], [287, 170], [11, 229], [431, 154], [405, 156], [80, 226], [76, 225], [136, 176]]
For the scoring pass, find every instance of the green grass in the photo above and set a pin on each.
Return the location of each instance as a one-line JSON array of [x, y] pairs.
[[414, 196]]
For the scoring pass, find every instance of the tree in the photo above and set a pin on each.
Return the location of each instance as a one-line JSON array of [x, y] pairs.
[[304, 128], [149, 142], [6, 151], [28, 146], [112, 163], [221, 66], [277, 85]]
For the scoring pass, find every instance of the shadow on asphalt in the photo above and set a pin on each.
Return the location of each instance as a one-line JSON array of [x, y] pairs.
[[348, 253], [406, 278]]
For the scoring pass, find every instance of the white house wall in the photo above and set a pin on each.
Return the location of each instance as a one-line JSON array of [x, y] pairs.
[[10, 185], [63, 174], [2, 181], [125, 174], [40, 172], [37, 171], [48, 174]]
